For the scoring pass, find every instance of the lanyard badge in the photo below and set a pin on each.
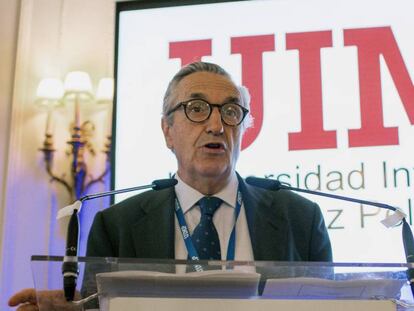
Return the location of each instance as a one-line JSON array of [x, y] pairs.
[[192, 252]]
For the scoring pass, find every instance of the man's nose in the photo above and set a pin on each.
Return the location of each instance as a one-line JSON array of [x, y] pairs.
[[215, 124]]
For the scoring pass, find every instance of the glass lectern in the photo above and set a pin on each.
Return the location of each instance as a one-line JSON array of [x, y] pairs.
[[144, 284]]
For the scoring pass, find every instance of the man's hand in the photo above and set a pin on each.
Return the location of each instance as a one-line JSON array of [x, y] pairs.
[[50, 300], [25, 299]]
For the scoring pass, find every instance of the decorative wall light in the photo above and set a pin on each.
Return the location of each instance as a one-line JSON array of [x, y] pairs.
[[105, 95], [76, 89]]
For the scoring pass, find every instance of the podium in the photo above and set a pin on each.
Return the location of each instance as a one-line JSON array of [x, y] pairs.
[[158, 285]]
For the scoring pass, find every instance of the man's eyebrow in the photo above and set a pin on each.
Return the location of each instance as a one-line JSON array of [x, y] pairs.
[[198, 95], [230, 99]]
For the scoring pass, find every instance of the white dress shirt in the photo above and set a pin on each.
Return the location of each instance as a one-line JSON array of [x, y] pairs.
[[223, 219]]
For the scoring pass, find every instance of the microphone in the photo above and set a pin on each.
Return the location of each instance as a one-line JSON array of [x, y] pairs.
[[275, 185], [70, 267], [408, 241], [158, 184], [407, 235]]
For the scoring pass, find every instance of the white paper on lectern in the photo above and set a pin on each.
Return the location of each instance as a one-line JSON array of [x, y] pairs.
[[210, 283], [325, 289]]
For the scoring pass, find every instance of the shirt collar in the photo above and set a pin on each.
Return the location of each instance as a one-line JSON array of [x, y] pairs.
[[188, 196]]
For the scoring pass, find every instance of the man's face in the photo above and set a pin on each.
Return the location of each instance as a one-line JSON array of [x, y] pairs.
[[208, 149]]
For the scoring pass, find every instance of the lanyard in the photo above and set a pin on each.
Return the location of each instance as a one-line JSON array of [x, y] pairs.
[[192, 252]]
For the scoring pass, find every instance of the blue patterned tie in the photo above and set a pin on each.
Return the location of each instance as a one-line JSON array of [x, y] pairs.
[[205, 237]]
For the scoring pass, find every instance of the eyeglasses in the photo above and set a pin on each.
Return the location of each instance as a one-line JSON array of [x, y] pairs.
[[199, 110]]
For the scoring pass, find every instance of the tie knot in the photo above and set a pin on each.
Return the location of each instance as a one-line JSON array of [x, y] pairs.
[[209, 205]]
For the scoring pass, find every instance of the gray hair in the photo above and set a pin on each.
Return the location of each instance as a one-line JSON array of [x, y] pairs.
[[203, 67]]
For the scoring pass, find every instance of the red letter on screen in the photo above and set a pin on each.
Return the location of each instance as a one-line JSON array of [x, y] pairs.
[[251, 50], [371, 43], [190, 51], [312, 134]]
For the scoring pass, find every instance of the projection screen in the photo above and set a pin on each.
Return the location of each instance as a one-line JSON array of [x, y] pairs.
[[332, 100]]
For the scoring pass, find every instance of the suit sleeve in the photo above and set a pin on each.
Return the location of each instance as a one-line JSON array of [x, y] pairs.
[[99, 245], [320, 248], [99, 239]]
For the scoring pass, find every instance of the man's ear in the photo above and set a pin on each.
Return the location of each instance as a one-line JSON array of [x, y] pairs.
[[166, 128]]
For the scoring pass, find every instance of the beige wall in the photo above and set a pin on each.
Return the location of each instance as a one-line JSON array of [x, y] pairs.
[[42, 38], [9, 20]]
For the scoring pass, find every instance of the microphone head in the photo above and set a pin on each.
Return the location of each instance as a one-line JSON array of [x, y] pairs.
[[164, 183], [265, 183]]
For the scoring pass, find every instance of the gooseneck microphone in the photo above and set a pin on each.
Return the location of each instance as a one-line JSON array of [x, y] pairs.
[[158, 184], [272, 184], [70, 267], [407, 235]]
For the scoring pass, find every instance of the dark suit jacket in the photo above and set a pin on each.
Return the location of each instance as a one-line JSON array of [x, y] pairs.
[[283, 226]]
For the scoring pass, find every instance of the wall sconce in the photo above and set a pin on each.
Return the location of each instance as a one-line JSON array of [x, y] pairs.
[[105, 95], [76, 89]]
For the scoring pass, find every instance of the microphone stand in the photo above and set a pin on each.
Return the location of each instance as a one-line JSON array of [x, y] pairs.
[[407, 234], [337, 197], [70, 267]]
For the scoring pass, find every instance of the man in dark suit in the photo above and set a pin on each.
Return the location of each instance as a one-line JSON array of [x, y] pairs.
[[206, 142], [211, 213], [283, 226]]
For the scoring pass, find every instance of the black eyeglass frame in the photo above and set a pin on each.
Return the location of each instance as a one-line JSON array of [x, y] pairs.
[[211, 106]]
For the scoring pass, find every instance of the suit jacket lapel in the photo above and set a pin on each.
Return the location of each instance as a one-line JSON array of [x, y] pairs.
[[268, 225], [154, 233]]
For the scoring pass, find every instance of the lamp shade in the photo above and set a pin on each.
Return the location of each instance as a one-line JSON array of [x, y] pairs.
[[49, 92], [105, 92], [78, 82]]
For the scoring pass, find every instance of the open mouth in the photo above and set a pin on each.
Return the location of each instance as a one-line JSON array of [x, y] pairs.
[[214, 146]]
